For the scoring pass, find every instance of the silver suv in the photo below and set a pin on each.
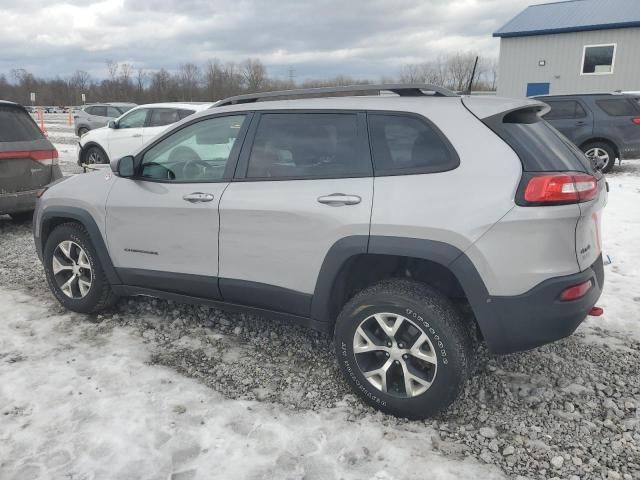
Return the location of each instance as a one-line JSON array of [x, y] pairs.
[[408, 226], [98, 115]]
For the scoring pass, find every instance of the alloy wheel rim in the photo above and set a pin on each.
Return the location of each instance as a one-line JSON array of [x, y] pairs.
[[598, 156], [72, 269], [94, 157], [395, 355]]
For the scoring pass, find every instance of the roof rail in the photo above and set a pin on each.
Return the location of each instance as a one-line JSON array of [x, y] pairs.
[[403, 90]]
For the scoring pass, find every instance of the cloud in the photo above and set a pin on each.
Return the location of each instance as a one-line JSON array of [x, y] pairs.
[[323, 38]]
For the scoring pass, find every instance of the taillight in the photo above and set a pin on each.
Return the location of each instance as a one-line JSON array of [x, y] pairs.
[[636, 120], [576, 292], [560, 188], [46, 156]]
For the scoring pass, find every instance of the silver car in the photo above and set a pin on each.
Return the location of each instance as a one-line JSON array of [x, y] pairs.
[[407, 226], [98, 115]]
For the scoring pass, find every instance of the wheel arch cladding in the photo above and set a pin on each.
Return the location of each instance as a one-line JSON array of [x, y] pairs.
[[449, 257], [54, 216]]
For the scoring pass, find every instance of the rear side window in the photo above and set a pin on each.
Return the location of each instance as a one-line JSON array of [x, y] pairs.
[[541, 147], [99, 111], [618, 107], [185, 113], [403, 144], [307, 145], [565, 109], [163, 116], [17, 126]]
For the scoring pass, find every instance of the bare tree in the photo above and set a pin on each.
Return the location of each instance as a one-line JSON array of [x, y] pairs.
[[254, 74], [460, 69], [189, 78], [141, 79]]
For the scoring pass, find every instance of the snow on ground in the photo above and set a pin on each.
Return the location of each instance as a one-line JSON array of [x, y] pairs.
[[81, 402], [621, 235]]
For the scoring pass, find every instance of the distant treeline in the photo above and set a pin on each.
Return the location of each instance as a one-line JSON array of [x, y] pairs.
[[216, 80]]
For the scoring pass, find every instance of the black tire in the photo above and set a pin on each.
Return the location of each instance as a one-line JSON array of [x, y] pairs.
[[95, 155], [436, 317], [21, 216], [82, 131], [99, 295], [608, 164]]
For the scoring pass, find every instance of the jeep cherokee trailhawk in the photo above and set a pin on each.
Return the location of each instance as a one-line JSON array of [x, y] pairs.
[[407, 225]]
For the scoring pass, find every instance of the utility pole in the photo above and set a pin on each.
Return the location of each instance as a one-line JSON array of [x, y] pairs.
[[292, 76]]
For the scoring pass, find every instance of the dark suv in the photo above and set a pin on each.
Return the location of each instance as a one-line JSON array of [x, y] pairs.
[[28, 161], [604, 126]]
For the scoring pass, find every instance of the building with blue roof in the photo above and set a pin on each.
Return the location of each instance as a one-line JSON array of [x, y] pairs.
[[576, 46]]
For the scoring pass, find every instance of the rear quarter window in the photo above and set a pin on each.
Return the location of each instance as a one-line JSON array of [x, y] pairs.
[[618, 107], [17, 126], [406, 144], [540, 147]]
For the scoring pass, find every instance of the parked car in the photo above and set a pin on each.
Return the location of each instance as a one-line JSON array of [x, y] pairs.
[[129, 131], [28, 161], [97, 115], [605, 127], [376, 219]]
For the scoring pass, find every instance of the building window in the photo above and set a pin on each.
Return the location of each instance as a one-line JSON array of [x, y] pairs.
[[598, 59]]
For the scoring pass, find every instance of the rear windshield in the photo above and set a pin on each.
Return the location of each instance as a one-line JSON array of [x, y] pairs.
[[17, 126], [541, 147], [619, 107]]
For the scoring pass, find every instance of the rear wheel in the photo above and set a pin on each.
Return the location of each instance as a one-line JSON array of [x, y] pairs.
[[95, 155], [602, 155], [82, 131], [73, 271], [404, 348]]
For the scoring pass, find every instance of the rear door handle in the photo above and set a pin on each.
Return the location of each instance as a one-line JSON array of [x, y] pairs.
[[581, 123], [137, 135], [198, 197], [339, 199]]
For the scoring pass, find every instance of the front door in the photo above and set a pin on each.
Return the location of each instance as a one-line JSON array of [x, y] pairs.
[[163, 224], [126, 138], [304, 183]]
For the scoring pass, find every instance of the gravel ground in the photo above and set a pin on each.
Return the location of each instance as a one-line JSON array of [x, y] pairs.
[[569, 410]]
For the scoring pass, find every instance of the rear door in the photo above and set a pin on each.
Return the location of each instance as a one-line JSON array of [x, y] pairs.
[[303, 183], [98, 117], [573, 119], [26, 156], [127, 137], [159, 119], [618, 122]]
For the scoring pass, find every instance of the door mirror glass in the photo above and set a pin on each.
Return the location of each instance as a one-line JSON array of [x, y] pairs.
[[124, 167]]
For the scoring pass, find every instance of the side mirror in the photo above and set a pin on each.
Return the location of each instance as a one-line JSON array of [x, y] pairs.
[[112, 124], [123, 167]]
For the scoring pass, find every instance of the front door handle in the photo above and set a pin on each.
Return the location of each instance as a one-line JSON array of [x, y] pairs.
[[137, 135], [339, 199], [580, 124], [197, 197]]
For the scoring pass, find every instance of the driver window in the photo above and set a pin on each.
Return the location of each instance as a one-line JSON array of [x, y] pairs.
[[198, 152], [134, 119]]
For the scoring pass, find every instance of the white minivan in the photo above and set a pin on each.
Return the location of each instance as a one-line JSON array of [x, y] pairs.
[[131, 130]]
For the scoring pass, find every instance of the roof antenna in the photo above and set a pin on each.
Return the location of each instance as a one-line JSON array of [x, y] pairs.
[[473, 75]]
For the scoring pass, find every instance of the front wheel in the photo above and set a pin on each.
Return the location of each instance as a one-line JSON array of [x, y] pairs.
[[95, 155], [602, 155], [73, 270], [404, 348]]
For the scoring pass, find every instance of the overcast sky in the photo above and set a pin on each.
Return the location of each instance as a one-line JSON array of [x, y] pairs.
[[318, 39]]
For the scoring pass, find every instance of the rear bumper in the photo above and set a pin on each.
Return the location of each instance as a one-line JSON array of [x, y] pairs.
[[18, 202], [539, 317]]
